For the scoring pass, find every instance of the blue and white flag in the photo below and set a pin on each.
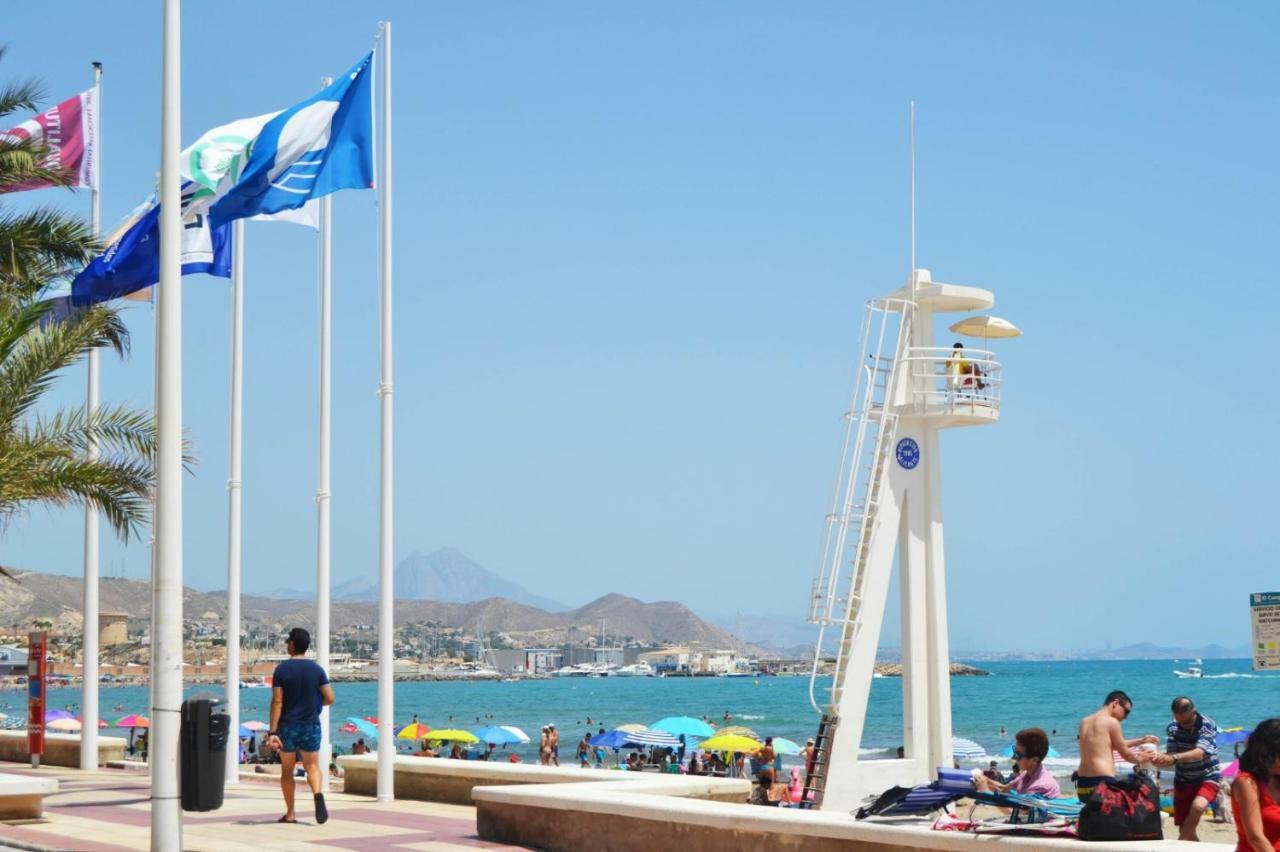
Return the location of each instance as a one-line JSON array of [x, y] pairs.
[[314, 148], [132, 259]]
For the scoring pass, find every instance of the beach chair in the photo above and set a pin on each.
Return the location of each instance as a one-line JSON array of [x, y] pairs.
[[922, 799], [1026, 808]]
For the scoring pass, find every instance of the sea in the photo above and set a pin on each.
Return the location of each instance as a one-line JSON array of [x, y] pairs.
[[1050, 695]]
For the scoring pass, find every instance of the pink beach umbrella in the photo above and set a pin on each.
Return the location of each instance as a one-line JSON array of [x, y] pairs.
[[255, 726], [133, 720]]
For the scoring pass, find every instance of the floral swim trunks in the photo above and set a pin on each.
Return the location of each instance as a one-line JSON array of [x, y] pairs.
[[299, 735]]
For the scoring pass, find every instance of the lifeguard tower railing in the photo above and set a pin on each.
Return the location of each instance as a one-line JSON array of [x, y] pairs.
[[946, 382], [870, 425]]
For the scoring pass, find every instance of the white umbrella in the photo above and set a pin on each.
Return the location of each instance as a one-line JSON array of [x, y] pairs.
[[986, 327], [963, 749], [516, 732]]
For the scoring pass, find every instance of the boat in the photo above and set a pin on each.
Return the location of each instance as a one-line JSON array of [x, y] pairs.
[[570, 671], [1193, 670], [635, 670]]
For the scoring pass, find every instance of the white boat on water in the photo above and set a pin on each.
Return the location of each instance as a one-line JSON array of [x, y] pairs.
[[570, 671], [635, 670]]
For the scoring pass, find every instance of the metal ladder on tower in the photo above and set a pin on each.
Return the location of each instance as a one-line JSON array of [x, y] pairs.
[[865, 458]]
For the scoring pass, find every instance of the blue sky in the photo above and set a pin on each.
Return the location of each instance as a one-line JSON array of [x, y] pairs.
[[633, 242]]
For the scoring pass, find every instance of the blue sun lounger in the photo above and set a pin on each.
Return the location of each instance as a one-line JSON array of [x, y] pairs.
[[1028, 808]]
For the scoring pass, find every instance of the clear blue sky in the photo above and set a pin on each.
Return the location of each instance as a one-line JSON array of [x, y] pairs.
[[632, 246]]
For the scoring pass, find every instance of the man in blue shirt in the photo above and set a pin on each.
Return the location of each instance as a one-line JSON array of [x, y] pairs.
[[299, 689], [1193, 754]]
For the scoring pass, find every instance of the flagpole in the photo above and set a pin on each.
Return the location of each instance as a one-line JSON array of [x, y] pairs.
[[232, 774], [386, 600], [166, 592], [89, 645], [322, 471]]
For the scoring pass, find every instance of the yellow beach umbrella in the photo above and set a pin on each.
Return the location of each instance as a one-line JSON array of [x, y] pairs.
[[731, 742], [452, 735], [630, 727], [413, 731]]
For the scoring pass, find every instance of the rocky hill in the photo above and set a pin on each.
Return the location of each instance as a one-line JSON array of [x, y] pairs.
[[57, 598]]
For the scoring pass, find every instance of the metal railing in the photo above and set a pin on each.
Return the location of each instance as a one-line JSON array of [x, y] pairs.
[[945, 380]]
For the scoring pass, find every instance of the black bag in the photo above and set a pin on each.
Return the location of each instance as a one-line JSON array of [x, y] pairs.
[[1122, 810]]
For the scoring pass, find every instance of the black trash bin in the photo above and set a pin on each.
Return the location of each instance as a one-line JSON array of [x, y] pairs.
[[203, 754]]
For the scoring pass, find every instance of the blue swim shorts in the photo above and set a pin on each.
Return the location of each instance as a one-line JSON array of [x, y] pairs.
[[299, 735]]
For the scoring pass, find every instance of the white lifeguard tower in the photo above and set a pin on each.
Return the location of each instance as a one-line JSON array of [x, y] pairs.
[[887, 500]]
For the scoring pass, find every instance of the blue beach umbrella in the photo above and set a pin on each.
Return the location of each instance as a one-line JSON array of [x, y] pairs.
[[687, 725], [497, 735], [612, 739], [782, 745], [363, 726], [1232, 737]]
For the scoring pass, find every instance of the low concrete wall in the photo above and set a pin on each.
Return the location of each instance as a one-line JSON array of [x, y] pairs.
[[59, 749], [434, 779], [588, 817]]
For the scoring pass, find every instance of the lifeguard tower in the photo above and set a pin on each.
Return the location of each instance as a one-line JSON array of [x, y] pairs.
[[887, 500]]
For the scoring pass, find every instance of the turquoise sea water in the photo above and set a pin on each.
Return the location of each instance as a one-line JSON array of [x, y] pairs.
[[1051, 695]]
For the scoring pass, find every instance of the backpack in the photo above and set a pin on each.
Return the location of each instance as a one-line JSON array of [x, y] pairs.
[[1122, 810]]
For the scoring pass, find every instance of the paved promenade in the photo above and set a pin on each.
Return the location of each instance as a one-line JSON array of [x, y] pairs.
[[109, 810]]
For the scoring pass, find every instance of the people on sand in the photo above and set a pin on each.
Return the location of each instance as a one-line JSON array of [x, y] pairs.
[[764, 760], [1192, 751], [1255, 793], [1100, 735], [993, 773], [1031, 747], [584, 751], [456, 753], [425, 750], [544, 750], [360, 747], [299, 689]]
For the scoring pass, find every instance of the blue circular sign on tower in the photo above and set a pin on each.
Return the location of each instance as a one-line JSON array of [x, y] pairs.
[[908, 453]]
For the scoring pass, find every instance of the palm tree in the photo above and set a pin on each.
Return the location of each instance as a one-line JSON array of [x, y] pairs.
[[38, 244], [43, 458]]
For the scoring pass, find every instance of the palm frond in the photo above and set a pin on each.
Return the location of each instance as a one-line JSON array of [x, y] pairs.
[[23, 161], [24, 95], [31, 356], [118, 486], [35, 239]]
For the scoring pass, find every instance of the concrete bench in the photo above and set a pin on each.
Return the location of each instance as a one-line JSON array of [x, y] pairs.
[[59, 749], [435, 779], [22, 797]]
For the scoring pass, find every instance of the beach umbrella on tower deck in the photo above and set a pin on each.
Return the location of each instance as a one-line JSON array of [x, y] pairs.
[[497, 735], [986, 327], [738, 731], [966, 749], [782, 745], [731, 742], [519, 734], [687, 725], [452, 735], [647, 737]]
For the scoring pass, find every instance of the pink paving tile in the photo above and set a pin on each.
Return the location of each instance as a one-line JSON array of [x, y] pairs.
[[400, 841], [107, 813]]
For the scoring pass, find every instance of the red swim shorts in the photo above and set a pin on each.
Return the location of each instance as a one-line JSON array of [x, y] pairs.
[[1185, 794]]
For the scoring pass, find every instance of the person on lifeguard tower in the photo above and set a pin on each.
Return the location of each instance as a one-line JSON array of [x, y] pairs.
[[961, 372]]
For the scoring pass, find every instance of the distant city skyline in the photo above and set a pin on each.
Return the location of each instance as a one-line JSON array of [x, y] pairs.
[[633, 244]]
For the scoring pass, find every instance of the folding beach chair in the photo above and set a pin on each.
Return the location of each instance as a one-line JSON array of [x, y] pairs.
[[922, 799], [1028, 808]]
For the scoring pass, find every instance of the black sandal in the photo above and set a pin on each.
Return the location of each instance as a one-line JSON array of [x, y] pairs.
[[286, 819]]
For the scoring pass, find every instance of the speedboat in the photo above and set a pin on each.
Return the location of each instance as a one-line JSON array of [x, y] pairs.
[[1192, 671], [635, 670]]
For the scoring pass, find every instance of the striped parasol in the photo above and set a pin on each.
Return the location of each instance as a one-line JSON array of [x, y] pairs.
[[647, 737], [738, 731], [965, 749]]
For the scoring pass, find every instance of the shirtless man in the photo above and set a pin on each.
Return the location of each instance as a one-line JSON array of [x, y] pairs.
[[1100, 735], [553, 745]]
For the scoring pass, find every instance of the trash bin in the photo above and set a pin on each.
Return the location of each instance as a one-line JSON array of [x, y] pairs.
[[203, 754]]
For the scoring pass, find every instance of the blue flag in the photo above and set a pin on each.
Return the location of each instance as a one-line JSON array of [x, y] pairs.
[[132, 260], [314, 148]]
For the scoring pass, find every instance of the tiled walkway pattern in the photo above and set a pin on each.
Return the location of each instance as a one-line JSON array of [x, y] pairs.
[[109, 810]]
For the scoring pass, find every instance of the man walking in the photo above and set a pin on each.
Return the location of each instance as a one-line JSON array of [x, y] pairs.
[[299, 689], [1100, 735], [1193, 754]]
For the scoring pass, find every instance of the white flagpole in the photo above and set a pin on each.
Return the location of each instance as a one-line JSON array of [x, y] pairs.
[[322, 474], [166, 593], [386, 599], [89, 646], [232, 775]]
